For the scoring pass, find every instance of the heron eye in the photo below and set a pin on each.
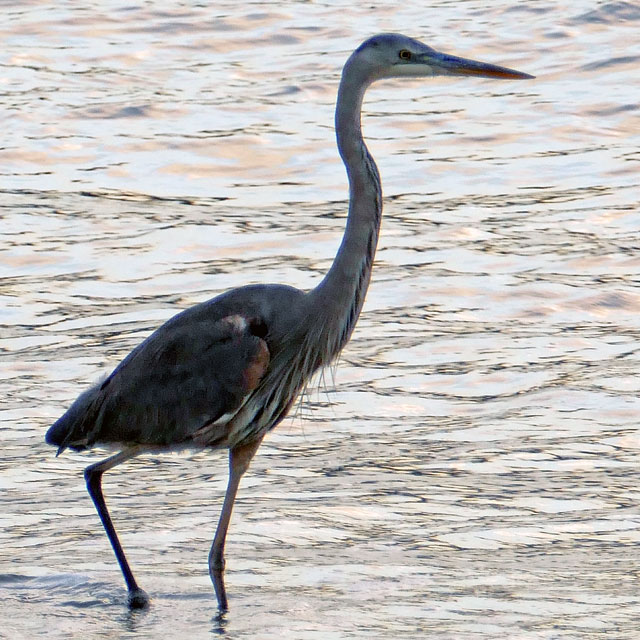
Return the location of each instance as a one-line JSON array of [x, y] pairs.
[[405, 55]]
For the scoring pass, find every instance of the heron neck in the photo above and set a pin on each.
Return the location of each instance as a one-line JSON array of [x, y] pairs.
[[340, 296]]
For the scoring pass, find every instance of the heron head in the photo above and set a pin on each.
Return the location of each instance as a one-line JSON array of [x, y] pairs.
[[390, 55]]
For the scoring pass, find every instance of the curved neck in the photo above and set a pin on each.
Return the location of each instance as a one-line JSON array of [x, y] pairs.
[[338, 299]]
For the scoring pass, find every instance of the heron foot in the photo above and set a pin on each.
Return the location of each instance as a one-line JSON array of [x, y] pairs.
[[137, 599], [216, 573], [221, 595]]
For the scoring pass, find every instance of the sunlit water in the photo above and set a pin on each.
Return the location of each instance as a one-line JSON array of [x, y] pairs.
[[474, 472]]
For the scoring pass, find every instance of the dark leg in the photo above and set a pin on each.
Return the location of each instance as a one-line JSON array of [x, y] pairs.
[[239, 459], [138, 599]]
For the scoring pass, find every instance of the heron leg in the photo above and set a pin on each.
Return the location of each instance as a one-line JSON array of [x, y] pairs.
[[239, 460], [137, 599]]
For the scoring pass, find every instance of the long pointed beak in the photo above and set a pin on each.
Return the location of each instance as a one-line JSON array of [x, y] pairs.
[[454, 66]]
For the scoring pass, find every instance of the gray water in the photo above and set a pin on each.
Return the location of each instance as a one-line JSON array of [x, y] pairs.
[[470, 470]]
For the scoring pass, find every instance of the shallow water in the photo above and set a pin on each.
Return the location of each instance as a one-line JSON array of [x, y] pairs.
[[474, 471]]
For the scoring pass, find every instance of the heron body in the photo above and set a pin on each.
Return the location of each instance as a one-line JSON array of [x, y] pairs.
[[223, 373]]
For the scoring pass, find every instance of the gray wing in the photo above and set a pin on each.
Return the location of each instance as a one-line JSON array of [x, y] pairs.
[[183, 377]]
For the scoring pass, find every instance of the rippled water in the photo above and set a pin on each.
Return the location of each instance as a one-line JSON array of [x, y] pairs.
[[474, 473]]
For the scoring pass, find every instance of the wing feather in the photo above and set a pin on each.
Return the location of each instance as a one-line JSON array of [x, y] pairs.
[[175, 383]]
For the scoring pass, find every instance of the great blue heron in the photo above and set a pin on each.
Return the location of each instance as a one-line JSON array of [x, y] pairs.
[[223, 373]]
